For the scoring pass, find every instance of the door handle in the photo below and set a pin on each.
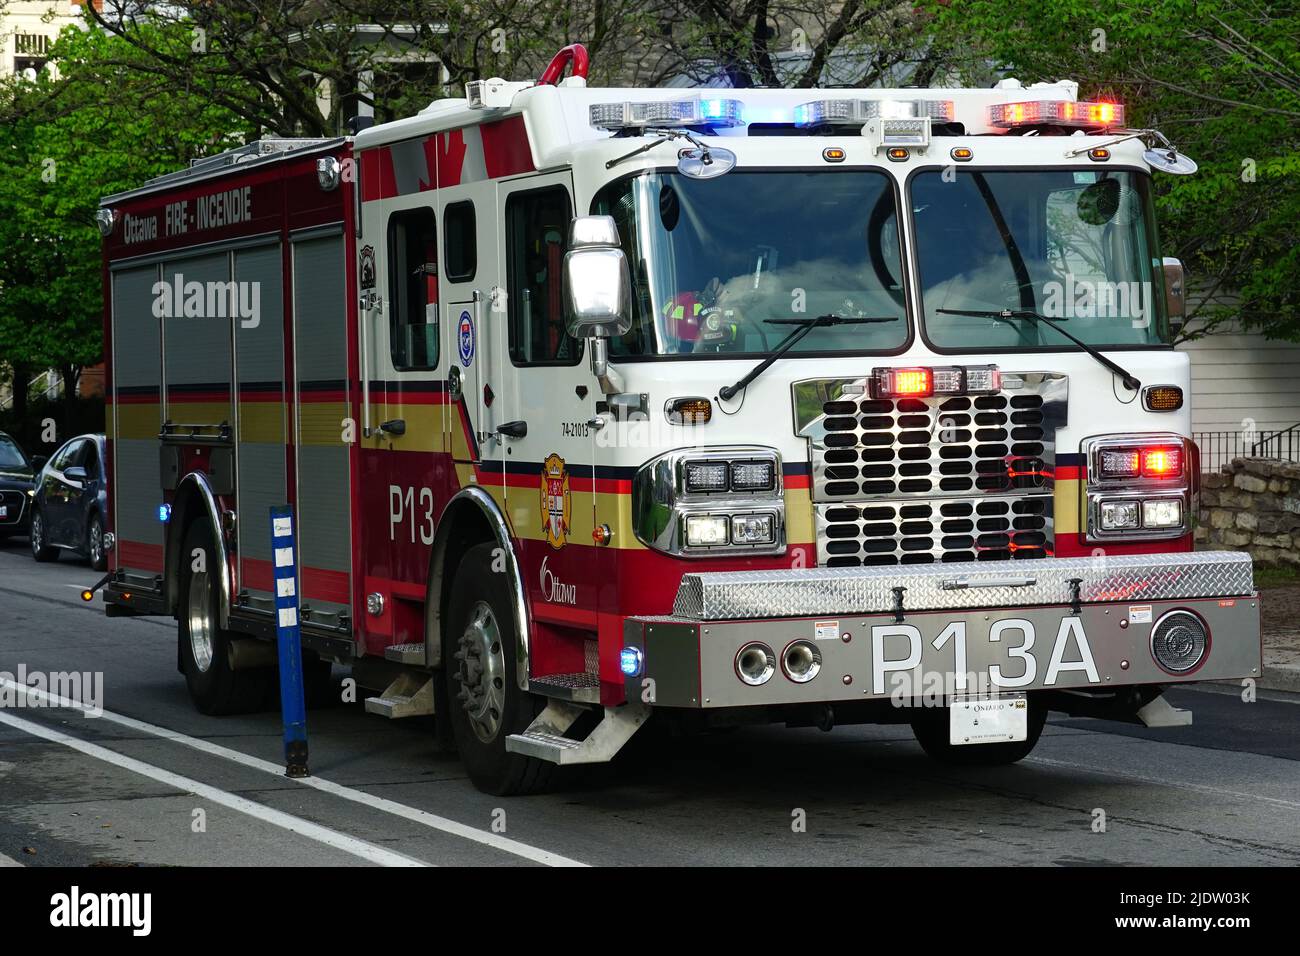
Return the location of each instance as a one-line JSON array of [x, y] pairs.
[[513, 429], [1010, 581], [396, 426]]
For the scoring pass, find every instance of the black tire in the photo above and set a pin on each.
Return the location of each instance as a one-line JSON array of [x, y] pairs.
[[930, 725], [95, 544], [38, 534], [214, 687], [483, 749]]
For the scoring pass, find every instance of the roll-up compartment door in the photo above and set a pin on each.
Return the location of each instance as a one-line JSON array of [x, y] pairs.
[[135, 485], [323, 405], [261, 419]]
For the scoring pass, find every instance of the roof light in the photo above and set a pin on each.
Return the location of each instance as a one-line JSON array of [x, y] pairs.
[[860, 112], [710, 111], [1057, 113]]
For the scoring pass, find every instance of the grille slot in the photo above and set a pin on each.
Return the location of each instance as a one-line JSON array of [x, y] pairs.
[[993, 444], [937, 480]]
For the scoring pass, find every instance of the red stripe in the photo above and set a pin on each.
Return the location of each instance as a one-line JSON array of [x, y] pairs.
[[325, 585], [137, 554]]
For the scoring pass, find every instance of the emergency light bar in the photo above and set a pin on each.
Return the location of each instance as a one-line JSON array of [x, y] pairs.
[[1084, 115], [924, 382], [666, 113], [861, 112]]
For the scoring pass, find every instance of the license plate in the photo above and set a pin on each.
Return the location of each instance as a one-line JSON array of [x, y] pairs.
[[988, 719], [4, 511]]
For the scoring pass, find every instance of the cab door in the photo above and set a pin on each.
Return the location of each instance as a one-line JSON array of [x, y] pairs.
[[545, 395]]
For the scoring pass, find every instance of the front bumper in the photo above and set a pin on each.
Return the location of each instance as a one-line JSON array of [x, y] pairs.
[[881, 632]]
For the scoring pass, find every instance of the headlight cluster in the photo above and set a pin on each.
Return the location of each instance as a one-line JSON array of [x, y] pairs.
[[713, 500], [1139, 486]]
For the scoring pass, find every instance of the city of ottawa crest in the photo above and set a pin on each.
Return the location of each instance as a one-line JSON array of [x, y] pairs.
[[556, 503]]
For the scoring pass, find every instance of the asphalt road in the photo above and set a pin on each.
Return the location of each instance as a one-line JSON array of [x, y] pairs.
[[152, 782]]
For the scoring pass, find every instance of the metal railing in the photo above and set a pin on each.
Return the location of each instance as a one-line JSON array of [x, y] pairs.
[[1219, 448], [51, 389]]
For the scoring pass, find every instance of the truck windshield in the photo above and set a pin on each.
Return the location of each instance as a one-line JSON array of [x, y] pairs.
[[721, 266], [1075, 245]]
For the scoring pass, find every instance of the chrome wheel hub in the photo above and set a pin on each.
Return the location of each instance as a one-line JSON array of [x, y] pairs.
[[199, 615], [481, 672], [96, 542], [37, 531]]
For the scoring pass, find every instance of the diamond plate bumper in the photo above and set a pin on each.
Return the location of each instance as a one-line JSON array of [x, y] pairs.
[[783, 593]]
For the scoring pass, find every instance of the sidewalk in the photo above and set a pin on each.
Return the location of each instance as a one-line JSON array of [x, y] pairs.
[[1280, 623]]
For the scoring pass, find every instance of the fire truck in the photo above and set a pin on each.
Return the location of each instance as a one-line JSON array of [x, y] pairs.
[[812, 407]]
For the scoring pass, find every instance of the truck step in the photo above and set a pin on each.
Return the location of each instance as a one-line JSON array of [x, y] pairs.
[[545, 740], [407, 696], [584, 688], [406, 654]]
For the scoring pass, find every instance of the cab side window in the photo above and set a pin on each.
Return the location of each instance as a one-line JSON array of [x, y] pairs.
[[67, 457], [413, 288], [89, 459], [460, 241], [537, 226]]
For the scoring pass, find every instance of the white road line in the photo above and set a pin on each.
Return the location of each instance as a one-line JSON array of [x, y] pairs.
[[422, 817], [8, 861], [1161, 782], [305, 828]]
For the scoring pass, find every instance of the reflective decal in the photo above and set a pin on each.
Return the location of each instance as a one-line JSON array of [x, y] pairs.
[[465, 338]]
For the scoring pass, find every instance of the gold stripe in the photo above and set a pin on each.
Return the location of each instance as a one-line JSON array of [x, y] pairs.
[[261, 422], [1067, 506], [138, 421], [322, 423]]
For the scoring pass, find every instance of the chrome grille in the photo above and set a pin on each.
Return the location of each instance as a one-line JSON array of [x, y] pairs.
[[943, 479], [15, 502]]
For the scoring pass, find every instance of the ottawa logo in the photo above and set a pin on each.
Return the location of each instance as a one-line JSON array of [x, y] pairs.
[[556, 503], [465, 339]]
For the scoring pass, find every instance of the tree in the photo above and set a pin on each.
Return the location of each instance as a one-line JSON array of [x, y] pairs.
[[1221, 79], [70, 139]]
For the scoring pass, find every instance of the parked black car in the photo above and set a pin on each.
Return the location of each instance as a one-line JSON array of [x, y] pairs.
[[17, 486], [71, 501]]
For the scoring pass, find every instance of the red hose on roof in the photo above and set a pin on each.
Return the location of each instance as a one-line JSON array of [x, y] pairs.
[[575, 54]]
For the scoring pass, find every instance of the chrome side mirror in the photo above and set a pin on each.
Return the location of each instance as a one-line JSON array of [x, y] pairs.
[[597, 281], [1175, 302]]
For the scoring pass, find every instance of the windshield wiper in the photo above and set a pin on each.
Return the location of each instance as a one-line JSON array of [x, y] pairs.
[[805, 325], [665, 136], [1026, 315]]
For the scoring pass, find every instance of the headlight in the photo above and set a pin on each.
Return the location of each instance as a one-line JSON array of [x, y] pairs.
[[1117, 515], [711, 500], [1139, 486], [706, 531]]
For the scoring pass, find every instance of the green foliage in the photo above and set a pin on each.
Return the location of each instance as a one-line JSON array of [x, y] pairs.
[[1221, 79], [100, 127]]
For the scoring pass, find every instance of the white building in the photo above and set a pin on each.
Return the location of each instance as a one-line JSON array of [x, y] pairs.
[[28, 29]]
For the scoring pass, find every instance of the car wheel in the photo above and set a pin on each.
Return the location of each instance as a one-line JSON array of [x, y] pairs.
[[930, 725], [95, 544], [215, 687], [485, 702], [41, 549]]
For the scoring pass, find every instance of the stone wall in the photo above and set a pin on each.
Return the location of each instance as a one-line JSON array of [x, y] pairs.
[[1252, 505]]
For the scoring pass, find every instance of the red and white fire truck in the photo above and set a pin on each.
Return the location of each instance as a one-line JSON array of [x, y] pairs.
[[800, 406]]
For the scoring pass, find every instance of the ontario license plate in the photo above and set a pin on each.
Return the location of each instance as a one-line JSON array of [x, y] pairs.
[[988, 719], [4, 511]]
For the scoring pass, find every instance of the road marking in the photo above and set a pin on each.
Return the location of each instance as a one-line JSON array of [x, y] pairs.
[[1159, 781], [8, 861], [423, 817], [305, 828]]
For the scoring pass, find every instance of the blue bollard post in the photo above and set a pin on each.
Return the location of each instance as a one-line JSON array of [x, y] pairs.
[[293, 701]]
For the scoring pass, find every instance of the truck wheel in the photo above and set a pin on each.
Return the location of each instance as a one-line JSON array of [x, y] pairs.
[[484, 700], [214, 686], [41, 549], [930, 725], [95, 544]]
